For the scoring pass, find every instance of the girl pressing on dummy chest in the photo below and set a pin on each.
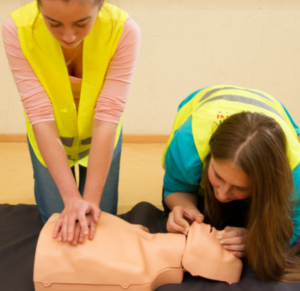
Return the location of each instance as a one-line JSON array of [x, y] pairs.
[[73, 63]]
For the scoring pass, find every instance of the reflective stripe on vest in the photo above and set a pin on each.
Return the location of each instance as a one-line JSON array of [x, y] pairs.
[[67, 141], [211, 105], [45, 56], [244, 100], [209, 93]]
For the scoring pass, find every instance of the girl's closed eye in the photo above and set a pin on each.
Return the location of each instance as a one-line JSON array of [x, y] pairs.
[[217, 176], [241, 189], [54, 25], [82, 25]]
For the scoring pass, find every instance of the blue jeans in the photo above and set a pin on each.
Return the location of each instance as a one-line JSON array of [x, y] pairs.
[[48, 198]]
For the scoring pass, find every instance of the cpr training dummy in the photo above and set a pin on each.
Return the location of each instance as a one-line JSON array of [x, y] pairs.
[[126, 256]]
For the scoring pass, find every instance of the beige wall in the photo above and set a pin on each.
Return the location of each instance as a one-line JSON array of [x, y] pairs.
[[187, 45]]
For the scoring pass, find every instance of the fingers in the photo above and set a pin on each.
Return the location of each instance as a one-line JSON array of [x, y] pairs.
[[81, 236], [73, 223], [69, 230], [234, 241], [177, 226], [193, 215], [96, 211], [180, 219], [234, 231], [76, 234], [233, 235], [199, 219], [57, 227], [64, 228], [92, 230], [239, 254], [83, 223], [71, 227], [237, 248], [60, 237]]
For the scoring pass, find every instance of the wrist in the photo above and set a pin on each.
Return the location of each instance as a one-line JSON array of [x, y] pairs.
[[94, 198], [67, 197], [189, 205]]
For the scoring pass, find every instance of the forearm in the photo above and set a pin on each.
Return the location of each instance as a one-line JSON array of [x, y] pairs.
[[53, 153], [187, 200], [100, 157]]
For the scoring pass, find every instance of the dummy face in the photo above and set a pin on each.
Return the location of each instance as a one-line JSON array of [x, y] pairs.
[[228, 180], [204, 256], [210, 245], [69, 22]]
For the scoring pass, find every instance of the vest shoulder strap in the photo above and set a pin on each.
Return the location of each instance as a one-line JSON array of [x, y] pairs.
[[26, 15]]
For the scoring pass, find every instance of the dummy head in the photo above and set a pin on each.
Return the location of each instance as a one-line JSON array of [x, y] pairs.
[[70, 21], [252, 147], [204, 256]]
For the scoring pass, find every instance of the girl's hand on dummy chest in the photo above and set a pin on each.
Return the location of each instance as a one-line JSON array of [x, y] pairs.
[[75, 212], [79, 234], [234, 239]]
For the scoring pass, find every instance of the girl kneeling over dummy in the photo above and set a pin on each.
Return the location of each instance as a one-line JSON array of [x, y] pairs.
[[230, 144], [73, 63]]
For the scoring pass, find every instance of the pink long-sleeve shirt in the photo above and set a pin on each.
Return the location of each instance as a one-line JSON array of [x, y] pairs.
[[113, 96]]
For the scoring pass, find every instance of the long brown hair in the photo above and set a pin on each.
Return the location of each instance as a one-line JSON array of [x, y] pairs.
[[257, 144]]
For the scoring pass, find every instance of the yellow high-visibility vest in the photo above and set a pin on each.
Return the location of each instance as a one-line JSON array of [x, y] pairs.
[[212, 105], [45, 56]]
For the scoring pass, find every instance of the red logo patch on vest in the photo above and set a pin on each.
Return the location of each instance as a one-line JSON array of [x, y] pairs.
[[222, 116]]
